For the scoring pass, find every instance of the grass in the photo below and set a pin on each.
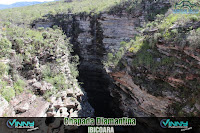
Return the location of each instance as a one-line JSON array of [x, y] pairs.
[[25, 44], [4, 91], [5, 46], [3, 69], [26, 15], [58, 81], [19, 86]]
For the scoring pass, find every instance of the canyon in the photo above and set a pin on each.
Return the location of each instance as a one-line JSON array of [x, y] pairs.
[[127, 89]]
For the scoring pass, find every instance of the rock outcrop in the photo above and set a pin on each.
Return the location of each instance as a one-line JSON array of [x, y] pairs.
[[140, 90], [44, 84]]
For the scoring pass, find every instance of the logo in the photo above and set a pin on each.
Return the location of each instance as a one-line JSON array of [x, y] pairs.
[[167, 123], [13, 123], [185, 7]]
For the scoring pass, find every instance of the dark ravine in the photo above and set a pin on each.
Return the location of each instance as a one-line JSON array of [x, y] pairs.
[[93, 36], [86, 35], [96, 81], [132, 90], [131, 65]]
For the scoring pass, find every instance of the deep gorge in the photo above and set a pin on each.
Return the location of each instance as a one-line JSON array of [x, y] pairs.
[[93, 37], [90, 58], [133, 90], [87, 39], [96, 81]]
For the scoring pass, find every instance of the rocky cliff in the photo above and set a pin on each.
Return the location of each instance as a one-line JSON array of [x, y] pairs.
[[154, 81], [133, 62], [41, 81]]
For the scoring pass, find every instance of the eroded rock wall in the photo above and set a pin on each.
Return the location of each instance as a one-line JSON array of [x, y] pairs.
[[95, 37]]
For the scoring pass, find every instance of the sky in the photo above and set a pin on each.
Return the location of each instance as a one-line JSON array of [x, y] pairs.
[[7, 2]]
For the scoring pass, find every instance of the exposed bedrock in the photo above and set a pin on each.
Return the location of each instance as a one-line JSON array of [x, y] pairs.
[[130, 91], [93, 37]]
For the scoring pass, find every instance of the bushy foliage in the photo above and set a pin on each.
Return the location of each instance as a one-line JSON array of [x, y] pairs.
[[6, 92], [19, 86], [58, 81], [113, 59], [193, 38], [28, 14], [5, 47], [147, 57], [3, 69], [6, 95]]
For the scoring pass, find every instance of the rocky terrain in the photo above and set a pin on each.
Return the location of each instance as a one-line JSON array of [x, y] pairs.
[[44, 83], [133, 62]]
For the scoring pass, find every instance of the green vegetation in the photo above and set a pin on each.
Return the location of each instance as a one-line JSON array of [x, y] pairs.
[[59, 81], [6, 95], [30, 13], [148, 57], [73, 66], [5, 46], [3, 69], [44, 53], [4, 91], [194, 39], [145, 54], [25, 48], [19, 86], [113, 60]]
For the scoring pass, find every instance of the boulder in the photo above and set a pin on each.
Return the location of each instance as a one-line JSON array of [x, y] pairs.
[[3, 105], [69, 103], [46, 86], [63, 112], [31, 81], [58, 103], [73, 113], [42, 87], [37, 85], [70, 92], [37, 109], [53, 100], [22, 107]]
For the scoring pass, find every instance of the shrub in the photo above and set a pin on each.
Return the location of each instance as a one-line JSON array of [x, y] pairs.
[[5, 47], [167, 35], [16, 61], [194, 18], [3, 69], [74, 71], [110, 56], [59, 81], [118, 55], [6, 92], [157, 36], [50, 93], [45, 35], [131, 49], [167, 60], [55, 27], [123, 43], [193, 38], [174, 31], [168, 21], [40, 28], [19, 86], [46, 72]]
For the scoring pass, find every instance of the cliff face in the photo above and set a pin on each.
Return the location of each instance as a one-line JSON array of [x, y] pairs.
[[144, 91], [145, 78], [41, 81], [93, 37]]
